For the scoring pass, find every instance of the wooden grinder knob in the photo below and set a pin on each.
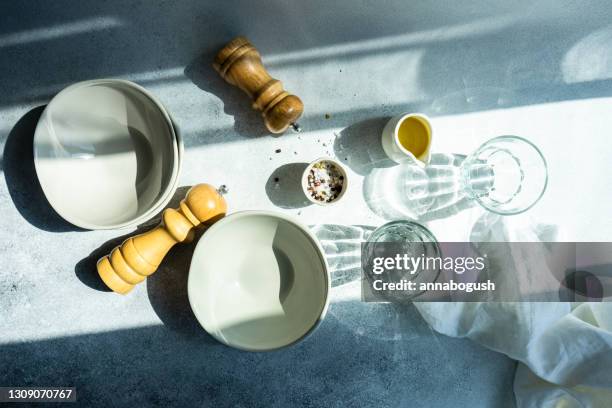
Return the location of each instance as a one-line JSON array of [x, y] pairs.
[[140, 256], [239, 63]]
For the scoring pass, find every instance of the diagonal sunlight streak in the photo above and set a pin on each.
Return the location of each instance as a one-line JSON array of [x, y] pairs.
[[7, 340], [397, 45], [447, 33], [590, 59], [58, 31]]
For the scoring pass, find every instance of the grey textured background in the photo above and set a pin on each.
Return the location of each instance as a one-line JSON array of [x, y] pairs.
[[352, 59]]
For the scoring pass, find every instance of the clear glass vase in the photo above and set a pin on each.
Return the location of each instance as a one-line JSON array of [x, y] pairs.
[[506, 175]]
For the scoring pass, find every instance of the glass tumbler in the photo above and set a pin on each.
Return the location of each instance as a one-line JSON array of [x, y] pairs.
[[403, 237]]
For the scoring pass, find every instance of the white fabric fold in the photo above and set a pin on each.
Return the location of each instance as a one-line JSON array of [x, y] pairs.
[[564, 350]]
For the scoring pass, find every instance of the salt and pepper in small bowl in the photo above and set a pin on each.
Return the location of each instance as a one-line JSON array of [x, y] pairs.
[[324, 181]]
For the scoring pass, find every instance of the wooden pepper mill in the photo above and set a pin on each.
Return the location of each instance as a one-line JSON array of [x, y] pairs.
[[239, 63], [140, 256]]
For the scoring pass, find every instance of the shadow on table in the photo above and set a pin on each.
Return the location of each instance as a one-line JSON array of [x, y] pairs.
[[359, 146], [167, 287], [85, 269], [167, 292], [284, 186], [163, 368], [390, 346], [22, 181], [421, 194], [247, 121], [342, 247]]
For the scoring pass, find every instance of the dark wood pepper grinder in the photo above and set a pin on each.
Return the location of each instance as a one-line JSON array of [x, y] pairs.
[[239, 63]]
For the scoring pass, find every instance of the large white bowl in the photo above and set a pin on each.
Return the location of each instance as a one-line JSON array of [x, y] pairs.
[[258, 281], [106, 154]]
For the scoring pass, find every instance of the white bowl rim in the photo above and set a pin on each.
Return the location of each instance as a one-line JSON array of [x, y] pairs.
[[305, 180], [173, 185], [309, 234], [176, 167]]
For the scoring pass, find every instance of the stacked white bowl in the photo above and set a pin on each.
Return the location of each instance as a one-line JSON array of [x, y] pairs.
[[107, 154]]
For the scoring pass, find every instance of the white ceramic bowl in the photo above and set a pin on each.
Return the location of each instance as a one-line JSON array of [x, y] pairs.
[[106, 154], [258, 281], [305, 180]]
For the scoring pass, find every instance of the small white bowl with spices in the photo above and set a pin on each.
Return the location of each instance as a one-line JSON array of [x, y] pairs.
[[324, 181]]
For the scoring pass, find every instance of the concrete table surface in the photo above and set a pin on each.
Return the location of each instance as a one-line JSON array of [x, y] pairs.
[[479, 70]]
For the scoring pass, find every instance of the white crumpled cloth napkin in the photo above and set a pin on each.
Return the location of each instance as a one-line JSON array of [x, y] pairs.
[[564, 350]]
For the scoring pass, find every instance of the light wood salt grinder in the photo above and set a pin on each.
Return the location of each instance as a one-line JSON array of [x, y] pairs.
[[239, 63], [140, 256]]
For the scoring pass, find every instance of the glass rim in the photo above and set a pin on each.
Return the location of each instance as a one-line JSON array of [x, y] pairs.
[[540, 155], [423, 229], [404, 222]]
